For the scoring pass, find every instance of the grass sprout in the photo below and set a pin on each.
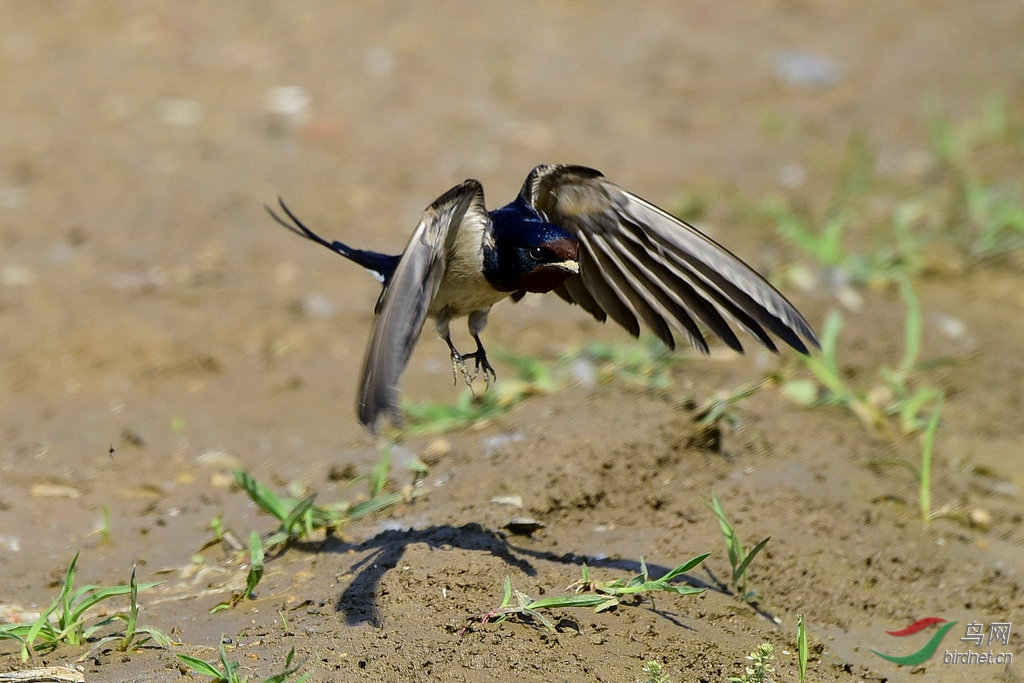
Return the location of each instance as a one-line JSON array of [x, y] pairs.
[[601, 596], [801, 647], [301, 517], [739, 558], [896, 256], [760, 669], [226, 671], [64, 622], [534, 377], [253, 576], [654, 673], [994, 220], [647, 362], [971, 199], [717, 411], [896, 405]]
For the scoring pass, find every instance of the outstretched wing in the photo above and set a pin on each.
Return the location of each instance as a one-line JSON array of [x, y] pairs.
[[403, 305], [640, 264]]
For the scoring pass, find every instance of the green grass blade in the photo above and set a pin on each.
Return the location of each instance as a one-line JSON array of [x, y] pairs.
[[40, 625], [379, 478], [299, 511], [912, 328], [287, 671], [200, 666], [741, 570], [267, 500], [583, 600], [375, 504], [801, 646], [255, 564], [732, 543], [687, 566], [159, 637], [65, 600], [927, 446]]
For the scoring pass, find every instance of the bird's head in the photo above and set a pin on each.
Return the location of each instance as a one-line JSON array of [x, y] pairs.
[[528, 253]]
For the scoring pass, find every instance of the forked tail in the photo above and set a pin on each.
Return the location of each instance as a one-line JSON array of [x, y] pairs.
[[381, 266]]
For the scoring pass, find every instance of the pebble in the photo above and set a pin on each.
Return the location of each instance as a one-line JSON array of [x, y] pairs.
[[495, 443], [806, 69], [11, 197], [54, 491], [435, 451], [17, 275], [291, 102], [179, 112], [319, 305]]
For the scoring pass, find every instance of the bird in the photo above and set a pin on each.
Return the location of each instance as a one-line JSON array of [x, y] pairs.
[[569, 231]]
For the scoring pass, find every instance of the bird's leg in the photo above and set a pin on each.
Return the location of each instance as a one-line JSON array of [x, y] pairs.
[[480, 360], [477, 322], [459, 363]]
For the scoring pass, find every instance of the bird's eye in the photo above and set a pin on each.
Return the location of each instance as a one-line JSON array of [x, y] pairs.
[[538, 253]]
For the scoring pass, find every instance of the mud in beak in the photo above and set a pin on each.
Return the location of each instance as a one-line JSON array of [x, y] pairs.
[[570, 266]]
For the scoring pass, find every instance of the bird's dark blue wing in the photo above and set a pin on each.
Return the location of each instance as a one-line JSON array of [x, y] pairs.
[[639, 264]]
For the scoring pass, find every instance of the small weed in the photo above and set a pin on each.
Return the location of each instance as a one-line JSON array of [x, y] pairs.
[[889, 261], [301, 517], [105, 525], [715, 412], [253, 576], [801, 647], [601, 596], [739, 558], [654, 673], [719, 407], [435, 418], [995, 220], [959, 203], [227, 672], [760, 669], [897, 405], [646, 362], [953, 143], [69, 609]]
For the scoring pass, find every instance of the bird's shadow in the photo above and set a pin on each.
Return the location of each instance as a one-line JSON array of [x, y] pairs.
[[358, 602]]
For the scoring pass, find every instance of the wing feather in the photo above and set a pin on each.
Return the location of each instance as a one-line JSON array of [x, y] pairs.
[[404, 303], [638, 262]]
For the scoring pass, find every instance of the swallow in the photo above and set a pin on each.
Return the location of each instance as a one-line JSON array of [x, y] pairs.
[[569, 231]]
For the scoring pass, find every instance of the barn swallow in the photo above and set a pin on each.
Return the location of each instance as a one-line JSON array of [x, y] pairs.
[[572, 232]]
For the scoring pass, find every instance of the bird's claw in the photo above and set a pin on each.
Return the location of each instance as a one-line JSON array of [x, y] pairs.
[[484, 366], [481, 365], [459, 367]]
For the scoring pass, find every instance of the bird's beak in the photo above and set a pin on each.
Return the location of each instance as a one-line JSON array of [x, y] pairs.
[[567, 265]]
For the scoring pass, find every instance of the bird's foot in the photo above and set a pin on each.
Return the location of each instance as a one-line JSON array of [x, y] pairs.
[[482, 365], [459, 368]]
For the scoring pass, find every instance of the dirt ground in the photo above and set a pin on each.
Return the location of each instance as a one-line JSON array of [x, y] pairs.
[[157, 329]]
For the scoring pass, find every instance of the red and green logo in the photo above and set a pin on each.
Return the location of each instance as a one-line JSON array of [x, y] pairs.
[[929, 648]]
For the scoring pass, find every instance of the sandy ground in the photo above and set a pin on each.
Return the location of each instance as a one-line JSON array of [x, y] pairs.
[[157, 329]]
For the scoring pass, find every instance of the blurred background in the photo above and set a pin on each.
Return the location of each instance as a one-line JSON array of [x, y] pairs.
[[140, 141], [150, 307]]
